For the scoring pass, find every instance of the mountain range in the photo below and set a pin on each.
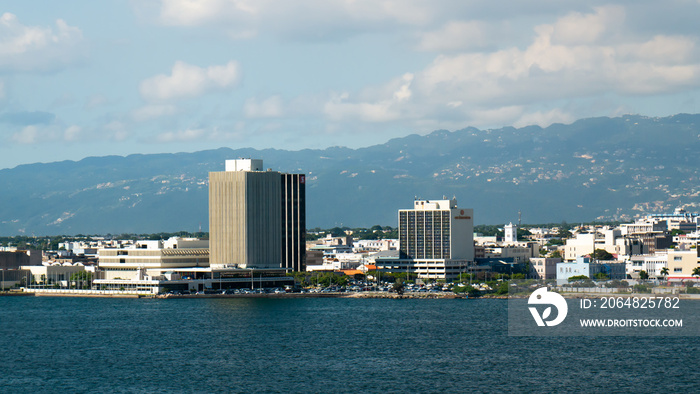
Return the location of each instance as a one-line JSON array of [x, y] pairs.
[[594, 169]]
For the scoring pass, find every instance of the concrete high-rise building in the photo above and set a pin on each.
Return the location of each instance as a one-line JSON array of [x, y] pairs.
[[436, 240], [294, 221], [257, 219], [436, 229]]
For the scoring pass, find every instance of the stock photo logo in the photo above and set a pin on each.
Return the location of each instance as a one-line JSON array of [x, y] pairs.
[[543, 297]]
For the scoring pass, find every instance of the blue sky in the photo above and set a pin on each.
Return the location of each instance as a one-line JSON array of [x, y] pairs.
[[93, 78]]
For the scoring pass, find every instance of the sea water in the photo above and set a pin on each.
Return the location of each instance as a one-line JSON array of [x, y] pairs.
[[315, 345]]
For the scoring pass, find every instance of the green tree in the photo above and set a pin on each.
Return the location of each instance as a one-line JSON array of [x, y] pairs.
[[555, 254], [643, 275], [337, 232], [83, 279], [523, 233], [696, 272], [398, 286], [664, 272], [555, 241], [564, 233], [578, 277], [602, 254], [601, 276]]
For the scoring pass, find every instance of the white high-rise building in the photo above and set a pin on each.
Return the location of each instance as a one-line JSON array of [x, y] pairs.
[[436, 240], [511, 233], [436, 229]]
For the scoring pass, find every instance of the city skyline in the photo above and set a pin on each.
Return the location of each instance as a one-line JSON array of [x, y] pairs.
[[175, 75]]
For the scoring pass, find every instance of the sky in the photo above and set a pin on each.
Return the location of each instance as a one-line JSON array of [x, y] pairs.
[[85, 78]]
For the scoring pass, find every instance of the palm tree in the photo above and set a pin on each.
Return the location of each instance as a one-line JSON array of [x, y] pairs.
[[696, 272], [664, 272]]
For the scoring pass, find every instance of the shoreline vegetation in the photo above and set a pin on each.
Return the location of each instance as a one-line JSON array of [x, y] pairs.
[[361, 295]]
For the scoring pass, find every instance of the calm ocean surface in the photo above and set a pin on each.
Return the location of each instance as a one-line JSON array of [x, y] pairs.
[[315, 345]]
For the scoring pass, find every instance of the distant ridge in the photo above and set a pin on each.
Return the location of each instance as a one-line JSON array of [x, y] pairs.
[[594, 169]]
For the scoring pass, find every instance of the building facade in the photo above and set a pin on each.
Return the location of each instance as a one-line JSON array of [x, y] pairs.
[[152, 258], [436, 240], [510, 233], [293, 221], [544, 267], [682, 263], [257, 219], [584, 267], [436, 230]]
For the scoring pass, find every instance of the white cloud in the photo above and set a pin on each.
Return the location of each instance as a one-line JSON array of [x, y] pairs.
[[381, 111], [187, 81], [201, 12], [29, 48], [501, 116], [579, 55], [661, 49], [196, 12], [268, 108], [548, 71], [305, 19], [385, 108], [116, 131], [153, 111], [28, 135], [544, 119], [577, 28], [72, 133], [404, 91], [57, 133], [95, 101], [181, 136], [456, 35], [235, 132]]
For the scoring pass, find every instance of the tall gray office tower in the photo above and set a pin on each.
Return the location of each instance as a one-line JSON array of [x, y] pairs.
[[257, 219], [294, 221]]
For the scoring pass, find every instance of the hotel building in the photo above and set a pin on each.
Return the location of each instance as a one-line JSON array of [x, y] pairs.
[[436, 240]]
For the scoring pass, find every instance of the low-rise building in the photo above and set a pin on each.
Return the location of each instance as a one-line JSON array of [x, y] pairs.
[[544, 267], [520, 252], [155, 257], [54, 274], [682, 264], [584, 267], [610, 240], [375, 245]]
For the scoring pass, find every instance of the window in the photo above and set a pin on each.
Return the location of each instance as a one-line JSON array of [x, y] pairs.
[[677, 258], [678, 270]]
